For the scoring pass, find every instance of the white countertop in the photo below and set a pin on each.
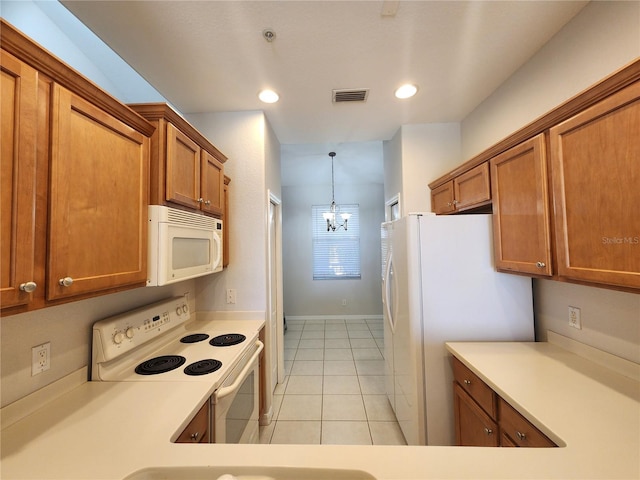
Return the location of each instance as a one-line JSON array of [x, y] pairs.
[[110, 430]]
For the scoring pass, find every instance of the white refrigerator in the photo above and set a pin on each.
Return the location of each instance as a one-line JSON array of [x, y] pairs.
[[439, 284]]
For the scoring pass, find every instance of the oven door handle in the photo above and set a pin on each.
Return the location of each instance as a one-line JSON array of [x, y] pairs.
[[224, 391]]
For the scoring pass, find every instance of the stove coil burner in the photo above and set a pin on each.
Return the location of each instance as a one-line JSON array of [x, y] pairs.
[[194, 338], [162, 364], [202, 367], [227, 340]]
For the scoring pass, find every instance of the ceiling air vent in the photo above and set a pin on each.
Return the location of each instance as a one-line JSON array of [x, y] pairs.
[[350, 95]]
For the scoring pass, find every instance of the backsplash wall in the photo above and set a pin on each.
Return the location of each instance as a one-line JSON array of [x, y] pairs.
[[68, 328]]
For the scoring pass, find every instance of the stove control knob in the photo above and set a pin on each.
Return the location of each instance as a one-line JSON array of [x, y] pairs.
[[185, 308], [118, 337], [129, 332]]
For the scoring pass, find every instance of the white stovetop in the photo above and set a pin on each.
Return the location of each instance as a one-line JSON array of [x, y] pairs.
[[110, 430]]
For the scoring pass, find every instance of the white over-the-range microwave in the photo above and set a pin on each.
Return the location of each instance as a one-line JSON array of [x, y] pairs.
[[182, 245]]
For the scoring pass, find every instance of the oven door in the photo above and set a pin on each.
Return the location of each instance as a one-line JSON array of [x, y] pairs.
[[235, 405]]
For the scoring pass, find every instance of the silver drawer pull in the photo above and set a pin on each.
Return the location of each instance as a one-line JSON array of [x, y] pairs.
[[194, 436], [488, 431], [467, 382], [28, 287], [540, 264], [521, 436]]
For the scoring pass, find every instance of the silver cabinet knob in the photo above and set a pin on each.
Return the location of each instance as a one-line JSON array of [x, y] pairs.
[[467, 382], [201, 200], [540, 264], [194, 436], [66, 281], [488, 431], [521, 436], [207, 202], [28, 287]]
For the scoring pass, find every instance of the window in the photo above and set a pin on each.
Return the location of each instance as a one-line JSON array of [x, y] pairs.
[[336, 255]]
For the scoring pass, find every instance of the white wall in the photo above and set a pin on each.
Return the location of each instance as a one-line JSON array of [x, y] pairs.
[[52, 26], [602, 38], [416, 155], [306, 297], [241, 137], [428, 151], [392, 163]]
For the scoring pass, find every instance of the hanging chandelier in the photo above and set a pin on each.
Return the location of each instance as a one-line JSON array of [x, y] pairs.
[[334, 210]]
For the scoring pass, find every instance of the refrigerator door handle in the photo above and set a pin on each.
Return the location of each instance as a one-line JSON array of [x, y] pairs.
[[387, 293]]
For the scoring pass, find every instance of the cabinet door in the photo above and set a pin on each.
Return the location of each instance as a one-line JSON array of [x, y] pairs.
[[98, 199], [473, 426], [596, 185], [212, 184], [198, 429], [19, 93], [442, 199], [183, 169], [521, 229], [472, 188]]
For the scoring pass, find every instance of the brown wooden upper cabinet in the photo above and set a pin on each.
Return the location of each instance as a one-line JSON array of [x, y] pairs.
[[74, 179], [595, 159], [521, 229], [18, 180], [187, 171], [99, 177], [466, 191]]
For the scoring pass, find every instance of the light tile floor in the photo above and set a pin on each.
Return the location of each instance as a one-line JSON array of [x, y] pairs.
[[334, 390]]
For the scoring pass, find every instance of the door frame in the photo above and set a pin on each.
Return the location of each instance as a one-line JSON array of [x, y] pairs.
[[276, 263]]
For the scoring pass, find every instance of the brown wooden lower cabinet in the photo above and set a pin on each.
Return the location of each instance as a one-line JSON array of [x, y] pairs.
[[198, 429], [484, 419]]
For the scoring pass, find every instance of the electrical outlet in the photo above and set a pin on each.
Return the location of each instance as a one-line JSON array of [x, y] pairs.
[[231, 295], [574, 318], [40, 358]]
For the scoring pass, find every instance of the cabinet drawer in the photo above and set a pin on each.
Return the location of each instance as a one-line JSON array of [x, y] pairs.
[[471, 383], [198, 429], [519, 430]]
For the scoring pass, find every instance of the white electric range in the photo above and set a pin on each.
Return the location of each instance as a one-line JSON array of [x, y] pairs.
[[161, 342]]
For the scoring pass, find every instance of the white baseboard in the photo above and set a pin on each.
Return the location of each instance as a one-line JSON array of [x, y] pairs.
[[347, 318]]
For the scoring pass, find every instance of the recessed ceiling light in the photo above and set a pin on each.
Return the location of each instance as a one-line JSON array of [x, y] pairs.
[[406, 91], [268, 96]]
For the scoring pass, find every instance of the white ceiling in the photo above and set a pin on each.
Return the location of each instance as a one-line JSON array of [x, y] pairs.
[[208, 56]]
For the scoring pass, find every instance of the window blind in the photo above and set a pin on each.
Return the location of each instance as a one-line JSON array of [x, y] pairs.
[[336, 255]]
